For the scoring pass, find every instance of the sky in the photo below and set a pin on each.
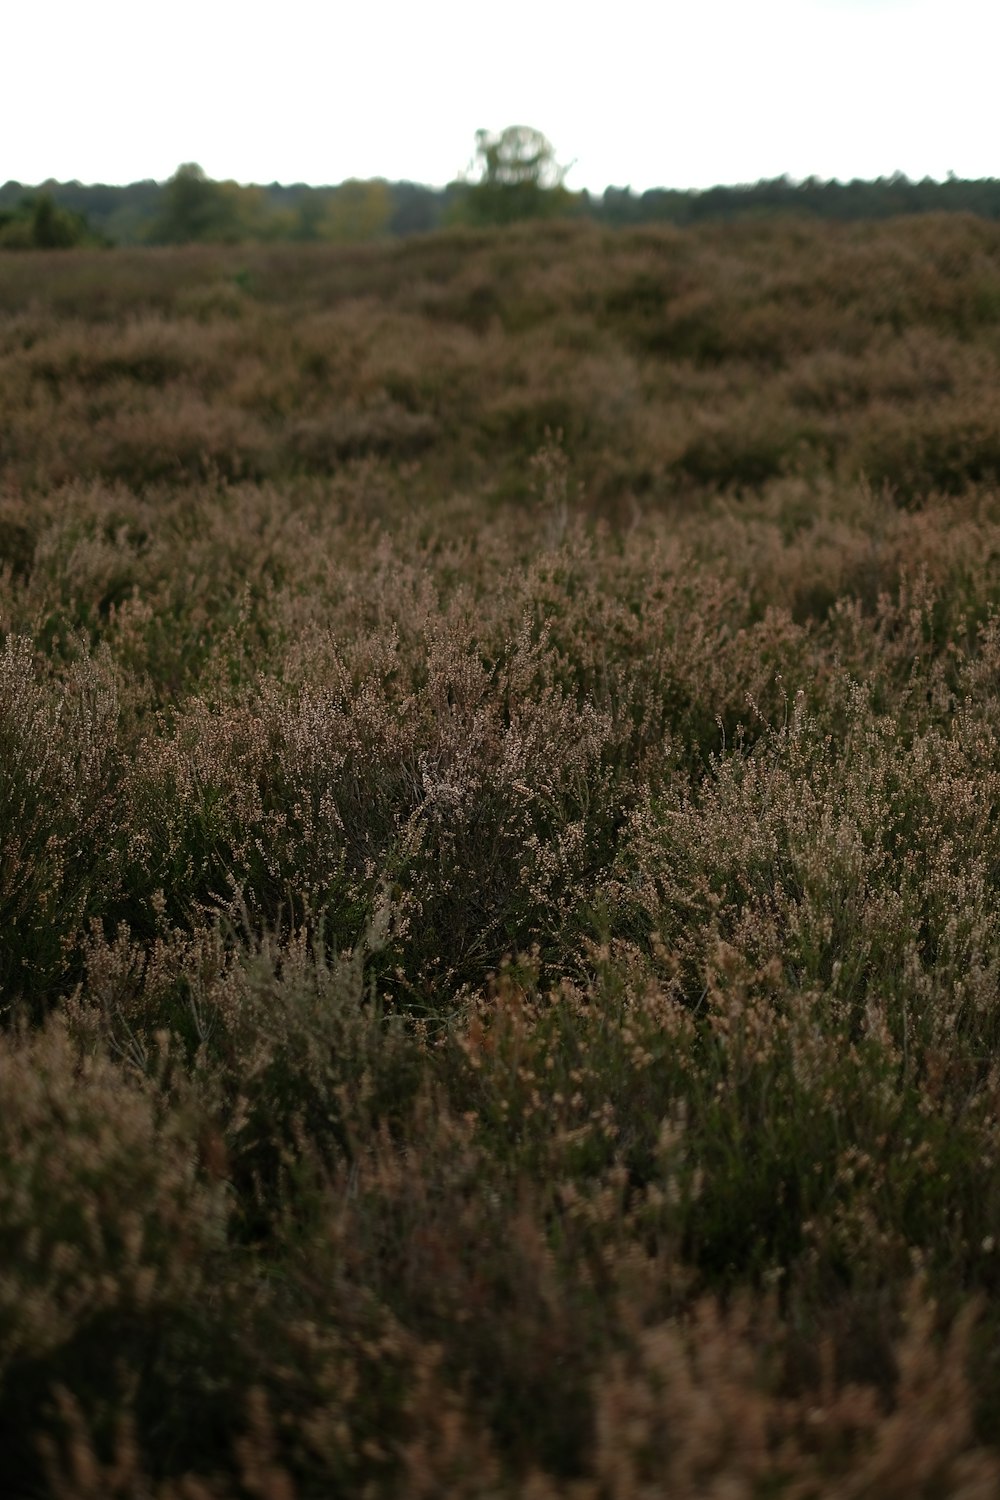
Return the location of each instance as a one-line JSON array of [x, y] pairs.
[[640, 93]]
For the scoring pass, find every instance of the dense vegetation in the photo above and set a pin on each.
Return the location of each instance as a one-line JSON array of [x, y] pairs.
[[34, 221], [500, 881], [192, 207]]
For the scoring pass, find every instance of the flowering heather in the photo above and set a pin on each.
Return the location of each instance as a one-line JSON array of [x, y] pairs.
[[500, 867]]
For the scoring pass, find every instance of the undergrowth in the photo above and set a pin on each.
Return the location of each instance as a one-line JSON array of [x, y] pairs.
[[499, 868]]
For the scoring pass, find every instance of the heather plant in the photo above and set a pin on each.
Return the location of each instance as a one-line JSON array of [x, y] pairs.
[[111, 1239], [472, 778], [498, 866], [58, 811]]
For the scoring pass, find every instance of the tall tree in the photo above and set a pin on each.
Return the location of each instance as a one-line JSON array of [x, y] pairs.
[[519, 178], [195, 208]]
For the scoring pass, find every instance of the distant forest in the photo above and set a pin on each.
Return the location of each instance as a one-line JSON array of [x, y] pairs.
[[192, 207]]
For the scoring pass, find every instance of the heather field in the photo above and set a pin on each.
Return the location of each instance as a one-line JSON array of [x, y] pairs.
[[500, 867]]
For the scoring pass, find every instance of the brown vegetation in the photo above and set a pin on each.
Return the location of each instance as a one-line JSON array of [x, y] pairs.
[[500, 880]]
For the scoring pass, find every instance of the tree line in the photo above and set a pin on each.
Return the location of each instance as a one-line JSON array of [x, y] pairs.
[[514, 177]]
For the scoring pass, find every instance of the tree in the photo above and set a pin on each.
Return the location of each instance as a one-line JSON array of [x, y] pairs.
[[195, 208], [518, 157], [519, 178], [38, 223], [356, 211]]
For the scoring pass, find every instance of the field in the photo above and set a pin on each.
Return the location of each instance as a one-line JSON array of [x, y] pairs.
[[500, 867]]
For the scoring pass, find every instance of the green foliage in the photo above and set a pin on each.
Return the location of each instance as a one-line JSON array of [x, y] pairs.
[[141, 211], [518, 155], [37, 223], [355, 213], [195, 208], [519, 178]]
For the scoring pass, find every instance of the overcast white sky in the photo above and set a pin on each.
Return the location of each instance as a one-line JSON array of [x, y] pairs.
[[680, 93]]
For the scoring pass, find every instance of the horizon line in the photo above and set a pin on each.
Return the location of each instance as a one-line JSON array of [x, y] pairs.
[[733, 186]]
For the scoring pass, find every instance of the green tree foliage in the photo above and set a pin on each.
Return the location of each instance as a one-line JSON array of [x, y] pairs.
[[519, 178], [514, 175], [356, 211], [38, 223], [518, 155], [195, 208]]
